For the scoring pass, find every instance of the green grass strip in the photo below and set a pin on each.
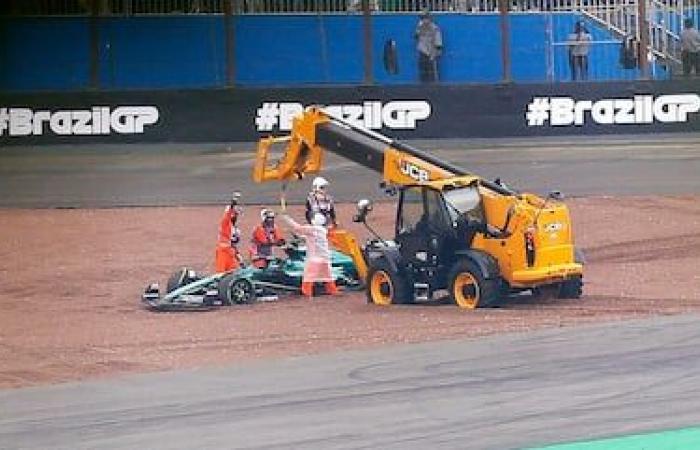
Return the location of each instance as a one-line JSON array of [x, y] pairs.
[[683, 439]]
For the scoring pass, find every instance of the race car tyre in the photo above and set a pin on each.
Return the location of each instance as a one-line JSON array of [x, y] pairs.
[[178, 279], [470, 289], [236, 291], [384, 287]]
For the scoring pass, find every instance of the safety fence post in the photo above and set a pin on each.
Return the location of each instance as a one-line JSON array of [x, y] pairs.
[[503, 6], [230, 41], [94, 36], [367, 36], [643, 39]]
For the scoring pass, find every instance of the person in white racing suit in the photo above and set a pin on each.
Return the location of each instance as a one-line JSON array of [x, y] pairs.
[[319, 201]]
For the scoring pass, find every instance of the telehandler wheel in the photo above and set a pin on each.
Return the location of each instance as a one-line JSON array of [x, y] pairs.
[[385, 288], [470, 289], [572, 288]]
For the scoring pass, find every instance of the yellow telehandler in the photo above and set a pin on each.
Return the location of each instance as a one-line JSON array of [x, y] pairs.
[[476, 239]]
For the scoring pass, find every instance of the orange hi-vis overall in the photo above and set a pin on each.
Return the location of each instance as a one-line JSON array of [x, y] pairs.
[[227, 256], [264, 238]]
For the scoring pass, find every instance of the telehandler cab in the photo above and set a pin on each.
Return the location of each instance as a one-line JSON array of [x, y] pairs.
[[456, 232]]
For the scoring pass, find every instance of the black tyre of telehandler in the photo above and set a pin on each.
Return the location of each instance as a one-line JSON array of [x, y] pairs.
[[385, 287], [572, 288], [470, 289]]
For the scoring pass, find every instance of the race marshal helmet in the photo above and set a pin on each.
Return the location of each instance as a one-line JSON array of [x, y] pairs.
[[318, 220], [319, 183], [267, 214], [235, 207]]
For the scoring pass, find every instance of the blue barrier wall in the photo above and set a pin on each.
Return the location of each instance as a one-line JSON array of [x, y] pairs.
[[282, 50], [41, 54], [162, 52], [292, 50], [528, 47]]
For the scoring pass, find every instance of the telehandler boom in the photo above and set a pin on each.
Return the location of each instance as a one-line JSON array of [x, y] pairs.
[[476, 239]]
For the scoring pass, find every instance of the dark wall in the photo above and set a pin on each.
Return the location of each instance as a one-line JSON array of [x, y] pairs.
[[403, 112], [294, 50]]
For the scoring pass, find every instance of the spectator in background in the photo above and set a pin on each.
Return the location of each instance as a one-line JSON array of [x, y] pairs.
[[629, 53], [429, 46], [579, 44], [690, 48]]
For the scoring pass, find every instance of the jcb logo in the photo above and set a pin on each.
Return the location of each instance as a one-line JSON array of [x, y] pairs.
[[553, 227], [413, 171]]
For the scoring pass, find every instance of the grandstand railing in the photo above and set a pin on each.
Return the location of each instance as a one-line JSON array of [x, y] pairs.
[[619, 14], [654, 25]]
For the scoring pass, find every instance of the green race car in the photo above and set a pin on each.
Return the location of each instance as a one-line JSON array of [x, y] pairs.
[[188, 290]]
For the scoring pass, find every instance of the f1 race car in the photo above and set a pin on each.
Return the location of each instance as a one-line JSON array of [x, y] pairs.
[[189, 290]]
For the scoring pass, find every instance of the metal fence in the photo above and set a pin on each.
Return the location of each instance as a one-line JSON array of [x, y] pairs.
[[618, 14], [630, 39], [130, 7], [44, 7], [110, 7]]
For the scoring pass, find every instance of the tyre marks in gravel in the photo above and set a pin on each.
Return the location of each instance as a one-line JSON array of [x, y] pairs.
[[644, 250]]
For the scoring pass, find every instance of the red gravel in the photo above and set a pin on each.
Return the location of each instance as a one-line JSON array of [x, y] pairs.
[[72, 280]]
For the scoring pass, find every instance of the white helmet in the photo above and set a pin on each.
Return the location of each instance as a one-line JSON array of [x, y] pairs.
[[267, 214], [319, 183], [318, 220]]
